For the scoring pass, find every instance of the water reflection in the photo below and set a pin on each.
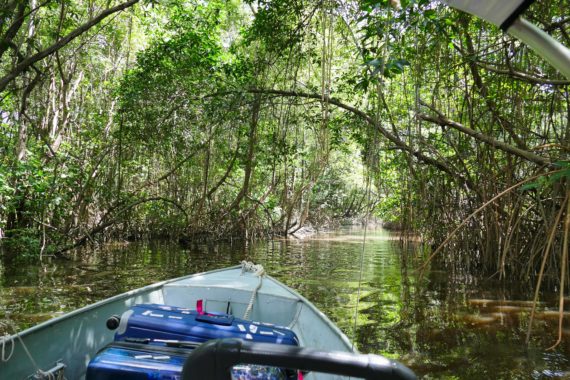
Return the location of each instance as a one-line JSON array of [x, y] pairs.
[[445, 324]]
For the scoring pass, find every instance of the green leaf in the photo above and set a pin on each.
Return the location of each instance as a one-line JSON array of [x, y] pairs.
[[430, 13], [362, 85], [559, 176], [530, 186], [562, 164], [376, 62]]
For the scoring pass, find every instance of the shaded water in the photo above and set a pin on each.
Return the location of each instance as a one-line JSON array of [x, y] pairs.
[[444, 325]]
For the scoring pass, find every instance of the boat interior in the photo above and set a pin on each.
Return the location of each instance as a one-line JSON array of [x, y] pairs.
[[75, 338]]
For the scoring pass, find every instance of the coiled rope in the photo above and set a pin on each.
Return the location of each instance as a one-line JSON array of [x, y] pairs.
[[3, 341], [257, 270], [8, 340]]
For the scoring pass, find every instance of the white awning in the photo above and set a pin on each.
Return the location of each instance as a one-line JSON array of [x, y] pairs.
[[499, 12], [506, 14]]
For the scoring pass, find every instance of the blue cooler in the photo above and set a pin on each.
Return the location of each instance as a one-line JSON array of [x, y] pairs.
[[166, 325], [132, 361], [129, 361]]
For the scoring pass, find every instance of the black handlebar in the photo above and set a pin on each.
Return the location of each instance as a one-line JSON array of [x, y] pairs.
[[214, 359]]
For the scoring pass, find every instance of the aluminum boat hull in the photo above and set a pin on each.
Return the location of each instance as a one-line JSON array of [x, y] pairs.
[[74, 338]]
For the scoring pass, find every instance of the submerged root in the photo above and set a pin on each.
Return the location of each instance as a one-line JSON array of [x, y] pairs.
[[542, 268], [565, 243]]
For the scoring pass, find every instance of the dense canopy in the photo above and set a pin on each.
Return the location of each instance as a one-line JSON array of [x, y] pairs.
[[244, 119]]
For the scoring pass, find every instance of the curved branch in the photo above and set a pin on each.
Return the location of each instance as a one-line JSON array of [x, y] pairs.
[[523, 76], [23, 65], [177, 166], [399, 144], [440, 119], [13, 29], [226, 174], [104, 225]]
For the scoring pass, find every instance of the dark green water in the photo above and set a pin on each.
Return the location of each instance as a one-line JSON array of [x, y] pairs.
[[445, 325]]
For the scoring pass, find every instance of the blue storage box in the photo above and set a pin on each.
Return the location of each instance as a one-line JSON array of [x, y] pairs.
[[164, 325], [137, 362], [132, 361]]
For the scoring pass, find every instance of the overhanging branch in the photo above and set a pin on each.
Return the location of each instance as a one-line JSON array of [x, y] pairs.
[[399, 144], [26, 63], [443, 121]]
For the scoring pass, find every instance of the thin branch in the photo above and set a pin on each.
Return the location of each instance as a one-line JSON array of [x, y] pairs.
[[522, 75], [440, 119], [542, 267], [22, 66], [105, 224], [474, 213], [401, 145]]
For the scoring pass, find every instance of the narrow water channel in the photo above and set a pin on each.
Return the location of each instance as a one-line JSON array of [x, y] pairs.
[[444, 325]]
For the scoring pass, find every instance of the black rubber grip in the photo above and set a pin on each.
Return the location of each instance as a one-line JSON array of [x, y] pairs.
[[113, 322], [214, 359]]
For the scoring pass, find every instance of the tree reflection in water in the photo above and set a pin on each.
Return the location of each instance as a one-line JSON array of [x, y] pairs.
[[446, 324]]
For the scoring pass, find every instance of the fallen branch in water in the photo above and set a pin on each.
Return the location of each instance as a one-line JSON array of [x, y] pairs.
[[104, 225]]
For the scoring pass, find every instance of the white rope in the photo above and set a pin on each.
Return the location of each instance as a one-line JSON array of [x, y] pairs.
[[39, 374], [3, 341], [257, 270]]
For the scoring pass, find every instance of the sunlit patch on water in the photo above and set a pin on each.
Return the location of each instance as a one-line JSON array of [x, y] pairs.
[[552, 315], [479, 319]]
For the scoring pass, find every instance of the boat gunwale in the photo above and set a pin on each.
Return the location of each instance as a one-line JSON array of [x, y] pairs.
[[304, 301], [127, 294], [323, 316], [158, 285]]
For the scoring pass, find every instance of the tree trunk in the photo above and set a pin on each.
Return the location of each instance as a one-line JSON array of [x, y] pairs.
[[29, 61], [250, 158]]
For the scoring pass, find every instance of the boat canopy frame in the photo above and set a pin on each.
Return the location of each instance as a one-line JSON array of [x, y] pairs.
[[507, 15]]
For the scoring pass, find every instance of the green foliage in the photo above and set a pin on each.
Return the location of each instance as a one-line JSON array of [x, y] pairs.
[[340, 192], [22, 244], [389, 69], [560, 176], [188, 108], [278, 23]]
